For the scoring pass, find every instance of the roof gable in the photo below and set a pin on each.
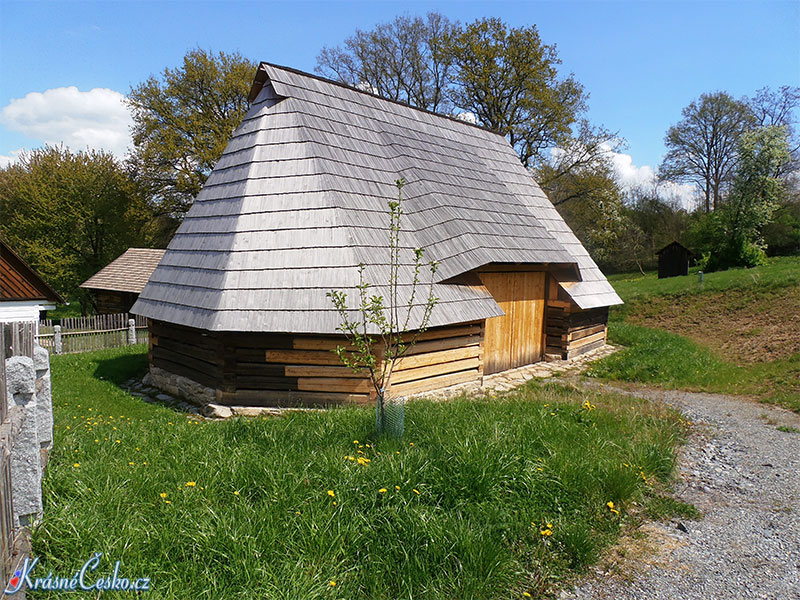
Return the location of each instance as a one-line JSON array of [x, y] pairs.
[[298, 201], [129, 272], [18, 281]]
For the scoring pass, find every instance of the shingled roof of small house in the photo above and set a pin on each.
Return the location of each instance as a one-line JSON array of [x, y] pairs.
[[298, 201], [129, 272]]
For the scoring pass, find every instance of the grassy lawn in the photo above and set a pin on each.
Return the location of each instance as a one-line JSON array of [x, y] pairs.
[[736, 333], [491, 498]]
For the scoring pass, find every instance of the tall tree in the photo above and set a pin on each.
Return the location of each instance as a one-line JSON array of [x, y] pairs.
[[508, 78], [71, 214], [402, 60], [701, 147], [780, 107], [733, 234], [183, 121]]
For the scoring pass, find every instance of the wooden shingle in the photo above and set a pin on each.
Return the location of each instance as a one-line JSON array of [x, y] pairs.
[[299, 199]]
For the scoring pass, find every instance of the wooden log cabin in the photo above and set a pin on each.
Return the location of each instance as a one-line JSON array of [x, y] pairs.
[[298, 201], [116, 286]]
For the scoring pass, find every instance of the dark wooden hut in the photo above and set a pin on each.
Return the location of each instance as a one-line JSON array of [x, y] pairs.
[[238, 305], [116, 286], [673, 260]]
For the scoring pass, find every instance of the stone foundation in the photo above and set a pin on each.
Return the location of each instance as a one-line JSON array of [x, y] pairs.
[[181, 387]]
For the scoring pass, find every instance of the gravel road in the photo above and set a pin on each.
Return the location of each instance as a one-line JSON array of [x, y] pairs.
[[743, 474]]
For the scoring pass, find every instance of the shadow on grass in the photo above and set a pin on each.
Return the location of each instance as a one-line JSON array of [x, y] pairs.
[[119, 369]]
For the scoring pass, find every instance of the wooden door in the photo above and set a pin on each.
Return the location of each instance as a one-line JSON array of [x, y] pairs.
[[515, 339]]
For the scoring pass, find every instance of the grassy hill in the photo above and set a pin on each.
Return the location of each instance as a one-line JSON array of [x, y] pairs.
[[735, 332]]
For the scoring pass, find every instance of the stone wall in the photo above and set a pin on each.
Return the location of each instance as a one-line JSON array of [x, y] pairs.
[[30, 435], [182, 387]]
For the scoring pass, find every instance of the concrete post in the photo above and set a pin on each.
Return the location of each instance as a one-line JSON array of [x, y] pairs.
[[57, 339], [26, 470], [131, 331], [44, 397]]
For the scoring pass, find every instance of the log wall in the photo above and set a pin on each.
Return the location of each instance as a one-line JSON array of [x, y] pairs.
[[112, 302], [571, 331], [262, 369]]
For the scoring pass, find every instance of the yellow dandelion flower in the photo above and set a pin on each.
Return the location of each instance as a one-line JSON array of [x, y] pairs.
[[332, 583], [397, 487], [610, 504], [97, 441], [526, 594], [236, 493], [76, 465], [163, 494], [382, 491], [355, 441], [336, 504], [546, 532], [167, 502], [191, 483], [331, 493], [118, 442], [416, 491], [130, 464]]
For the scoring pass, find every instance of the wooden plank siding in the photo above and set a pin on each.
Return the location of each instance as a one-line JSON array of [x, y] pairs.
[[571, 331], [302, 370], [515, 339]]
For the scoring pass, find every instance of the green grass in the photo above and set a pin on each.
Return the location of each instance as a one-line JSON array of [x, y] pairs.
[[657, 357], [260, 523], [778, 272], [653, 356]]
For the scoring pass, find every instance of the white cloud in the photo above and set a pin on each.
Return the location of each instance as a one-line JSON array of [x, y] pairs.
[[632, 176], [12, 156], [97, 119], [467, 117]]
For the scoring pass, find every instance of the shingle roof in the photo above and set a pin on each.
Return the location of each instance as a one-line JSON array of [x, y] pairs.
[[18, 280], [298, 200], [128, 273]]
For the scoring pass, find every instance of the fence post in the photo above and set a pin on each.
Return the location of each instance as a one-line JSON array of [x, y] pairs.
[[57, 339], [131, 331]]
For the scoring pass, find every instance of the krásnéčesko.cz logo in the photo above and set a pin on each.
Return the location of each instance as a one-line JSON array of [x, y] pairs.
[[82, 580]]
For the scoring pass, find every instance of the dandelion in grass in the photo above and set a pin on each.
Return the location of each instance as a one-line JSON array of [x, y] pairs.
[[397, 487], [76, 465], [526, 594], [236, 493], [332, 583], [130, 464], [191, 483], [119, 442], [382, 491], [167, 502], [331, 493], [363, 461], [612, 507], [416, 491]]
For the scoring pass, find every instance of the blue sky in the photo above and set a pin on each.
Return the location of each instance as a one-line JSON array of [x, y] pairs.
[[642, 62]]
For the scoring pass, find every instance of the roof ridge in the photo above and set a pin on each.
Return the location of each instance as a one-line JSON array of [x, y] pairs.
[[455, 119]]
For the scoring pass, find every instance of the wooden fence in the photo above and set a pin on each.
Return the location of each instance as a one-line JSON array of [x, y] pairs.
[[82, 334]]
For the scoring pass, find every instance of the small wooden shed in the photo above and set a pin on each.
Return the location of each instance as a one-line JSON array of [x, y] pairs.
[[298, 200], [24, 295], [673, 260], [116, 286]]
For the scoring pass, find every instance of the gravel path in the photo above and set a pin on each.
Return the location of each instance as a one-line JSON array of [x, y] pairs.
[[743, 474]]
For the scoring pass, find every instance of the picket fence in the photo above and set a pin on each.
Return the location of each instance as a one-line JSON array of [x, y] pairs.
[[82, 334]]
